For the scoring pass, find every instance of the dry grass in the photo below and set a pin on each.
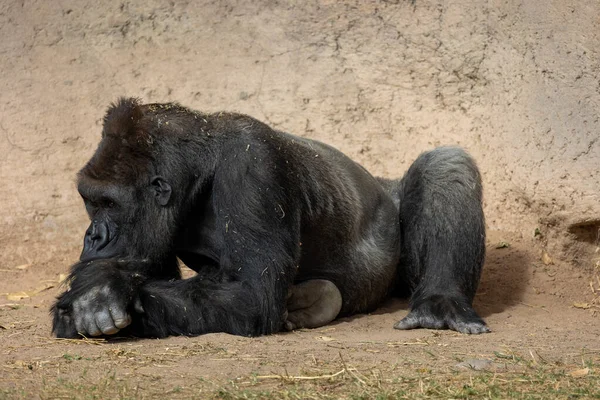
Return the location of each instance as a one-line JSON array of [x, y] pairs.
[[507, 375]]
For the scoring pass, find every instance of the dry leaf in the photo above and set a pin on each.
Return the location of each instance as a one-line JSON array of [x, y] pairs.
[[25, 295], [23, 267], [578, 373], [12, 306], [326, 338], [42, 289], [17, 296], [546, 258], [585, 306]]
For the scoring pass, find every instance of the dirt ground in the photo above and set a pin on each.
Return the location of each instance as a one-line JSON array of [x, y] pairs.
[[514, 83], [541, 313]]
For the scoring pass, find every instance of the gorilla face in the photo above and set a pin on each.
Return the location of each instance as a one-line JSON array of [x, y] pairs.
[[107, 206], [126, 185], [115, 213]]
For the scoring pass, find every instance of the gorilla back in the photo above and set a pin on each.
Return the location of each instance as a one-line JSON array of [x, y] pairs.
[[282, 231]]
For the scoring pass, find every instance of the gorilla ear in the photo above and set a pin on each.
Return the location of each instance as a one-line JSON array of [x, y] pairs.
[[162, 190]]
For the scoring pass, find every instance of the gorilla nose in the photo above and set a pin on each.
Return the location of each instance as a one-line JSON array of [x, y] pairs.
[[96, 238], [98, 231]]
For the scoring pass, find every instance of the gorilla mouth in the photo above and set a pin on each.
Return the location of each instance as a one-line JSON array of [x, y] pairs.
[[106, 249]]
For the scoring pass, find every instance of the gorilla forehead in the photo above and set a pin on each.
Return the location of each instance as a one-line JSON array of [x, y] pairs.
[[118, 162], [136, 137], [140, 125], [122, 120], [125, 153]]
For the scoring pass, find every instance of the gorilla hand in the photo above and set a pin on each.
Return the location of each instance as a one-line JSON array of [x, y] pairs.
[[100, 301]]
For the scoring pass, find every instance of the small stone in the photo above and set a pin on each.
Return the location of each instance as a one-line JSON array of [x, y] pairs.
[[476, 364]]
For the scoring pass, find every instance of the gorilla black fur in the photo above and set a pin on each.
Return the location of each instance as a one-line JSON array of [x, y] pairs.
[[267, 220]]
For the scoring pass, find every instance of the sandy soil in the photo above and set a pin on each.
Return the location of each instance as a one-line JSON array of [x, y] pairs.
[[383, 81], [537, 310]]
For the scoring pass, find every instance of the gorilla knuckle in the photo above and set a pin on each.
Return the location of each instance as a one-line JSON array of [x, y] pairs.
[[122, 322]]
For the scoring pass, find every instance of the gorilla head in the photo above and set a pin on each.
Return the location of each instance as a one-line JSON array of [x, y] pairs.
[[127, 186]]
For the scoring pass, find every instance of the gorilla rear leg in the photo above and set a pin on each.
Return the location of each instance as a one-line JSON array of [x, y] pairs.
[[443, 241], [312, 304]]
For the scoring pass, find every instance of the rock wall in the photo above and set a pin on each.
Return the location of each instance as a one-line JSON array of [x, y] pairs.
[[515, 82]]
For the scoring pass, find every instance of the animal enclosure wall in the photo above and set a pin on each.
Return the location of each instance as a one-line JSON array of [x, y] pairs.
[[514, 82]]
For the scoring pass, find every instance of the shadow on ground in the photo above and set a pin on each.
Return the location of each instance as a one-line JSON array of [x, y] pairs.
[[503, 282]]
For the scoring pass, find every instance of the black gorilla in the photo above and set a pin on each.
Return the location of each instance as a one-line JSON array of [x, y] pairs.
[[283, 232]]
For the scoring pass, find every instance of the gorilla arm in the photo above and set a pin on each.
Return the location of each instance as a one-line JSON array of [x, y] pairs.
[[101, 298], [246, 296], [108, 296], [196, 306]]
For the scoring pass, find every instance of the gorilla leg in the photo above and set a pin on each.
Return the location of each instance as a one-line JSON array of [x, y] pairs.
[[312, 304], [443, 241]]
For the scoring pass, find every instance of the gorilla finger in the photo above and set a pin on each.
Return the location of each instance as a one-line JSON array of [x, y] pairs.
[[105, 322], [77, 316], [63, 325], [408, 322], [119, 316], [90, 326], [469, 327], [80, 324]]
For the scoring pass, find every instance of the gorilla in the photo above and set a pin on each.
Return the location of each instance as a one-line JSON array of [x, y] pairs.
[[283, 232]]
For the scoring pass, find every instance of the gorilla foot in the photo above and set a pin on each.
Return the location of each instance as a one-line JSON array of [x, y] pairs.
[[439, 312], [312, 304]]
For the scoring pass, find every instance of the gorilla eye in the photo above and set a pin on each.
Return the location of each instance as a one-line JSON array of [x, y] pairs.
[[106, 202]]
